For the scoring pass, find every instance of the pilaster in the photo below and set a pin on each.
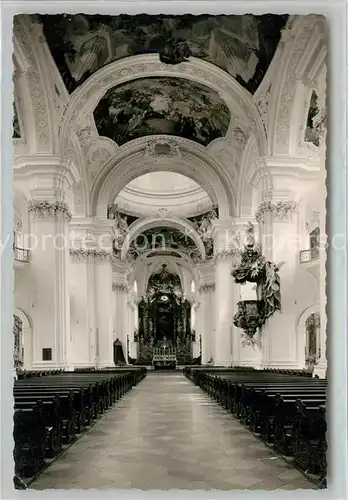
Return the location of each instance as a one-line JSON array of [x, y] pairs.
[[120, 289], [278, 222], [48, 220], [226, 242]]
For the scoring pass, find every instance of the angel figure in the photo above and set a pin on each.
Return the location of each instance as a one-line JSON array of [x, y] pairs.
[[120, 229], [271, 291], [174, 51]]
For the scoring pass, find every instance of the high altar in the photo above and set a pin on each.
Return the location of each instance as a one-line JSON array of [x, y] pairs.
[[164, 335]]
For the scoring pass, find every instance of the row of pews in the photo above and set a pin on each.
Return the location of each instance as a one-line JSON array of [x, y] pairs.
[[287, 410], [50, 411], [38, 373]]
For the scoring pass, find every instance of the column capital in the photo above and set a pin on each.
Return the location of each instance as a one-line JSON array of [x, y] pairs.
[[277, 211], [119, 287], [207, 287], [83, 254], [48, 210]]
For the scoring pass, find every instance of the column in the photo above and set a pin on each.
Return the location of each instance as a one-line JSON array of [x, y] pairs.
[[120, 315], [131, 324], [49, 219], [224, 290], [103, 292], [120, 286], [205, 312], [280, 245], [206, 318], [82, 292]]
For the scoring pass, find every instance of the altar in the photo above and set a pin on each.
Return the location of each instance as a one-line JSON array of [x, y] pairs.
[[164, 356], [164, 337]]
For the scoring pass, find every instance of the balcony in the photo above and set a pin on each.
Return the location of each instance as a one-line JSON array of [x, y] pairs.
[[21, 256], [309, 255]]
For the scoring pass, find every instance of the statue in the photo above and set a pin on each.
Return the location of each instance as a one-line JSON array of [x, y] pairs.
[[174, 51], [120, 228], [271, 288]]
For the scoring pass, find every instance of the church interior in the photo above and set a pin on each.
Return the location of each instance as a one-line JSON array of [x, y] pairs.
[[169, 251]]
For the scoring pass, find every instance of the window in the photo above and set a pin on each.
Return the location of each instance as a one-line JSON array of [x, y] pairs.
[[193, 286]]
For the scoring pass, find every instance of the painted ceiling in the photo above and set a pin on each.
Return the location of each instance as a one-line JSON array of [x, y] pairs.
[[164, 238], [241, 45], [16, 131], [174, 106]]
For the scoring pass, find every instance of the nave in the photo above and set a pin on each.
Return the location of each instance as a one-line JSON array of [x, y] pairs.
[[168, 434]]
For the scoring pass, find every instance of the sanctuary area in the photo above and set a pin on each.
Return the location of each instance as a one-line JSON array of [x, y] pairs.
[[169, 251]]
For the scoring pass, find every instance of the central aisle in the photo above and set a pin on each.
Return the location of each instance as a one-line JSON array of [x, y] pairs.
[[166, 433]]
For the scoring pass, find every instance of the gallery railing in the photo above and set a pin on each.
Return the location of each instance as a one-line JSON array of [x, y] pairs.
[[309, 255], [21, 254]]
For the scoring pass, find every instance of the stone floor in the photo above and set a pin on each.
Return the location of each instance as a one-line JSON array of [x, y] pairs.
[[166, 433]]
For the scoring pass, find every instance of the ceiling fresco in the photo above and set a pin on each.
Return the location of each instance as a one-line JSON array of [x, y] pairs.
[[174, 106], [164, 238], [16, 131], [241, 45]]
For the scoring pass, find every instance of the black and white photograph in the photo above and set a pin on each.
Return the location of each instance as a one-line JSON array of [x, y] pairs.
[[169, 251]]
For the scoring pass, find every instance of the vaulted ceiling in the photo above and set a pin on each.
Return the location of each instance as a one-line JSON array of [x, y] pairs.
[[174, 106], [241, 45]]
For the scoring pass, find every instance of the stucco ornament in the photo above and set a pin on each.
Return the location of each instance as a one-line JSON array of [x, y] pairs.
[[120, 228], [278, 211], [49, 209], [205, 227]]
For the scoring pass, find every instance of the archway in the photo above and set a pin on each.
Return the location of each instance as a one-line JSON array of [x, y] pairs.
[[190, 160], [166, 221], [308, 337]]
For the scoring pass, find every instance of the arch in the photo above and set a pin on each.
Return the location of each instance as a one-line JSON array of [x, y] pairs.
[[253, 175], [27, 336], [301, 332], [165, 220], [84, 99], [132, 162], [301, 39], [301, 322], [37, 109]]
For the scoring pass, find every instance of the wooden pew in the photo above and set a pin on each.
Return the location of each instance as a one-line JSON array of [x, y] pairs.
[[29, 435], [51, 408], [281, 406]]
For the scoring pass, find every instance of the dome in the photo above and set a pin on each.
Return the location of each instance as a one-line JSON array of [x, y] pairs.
[[153, 191]]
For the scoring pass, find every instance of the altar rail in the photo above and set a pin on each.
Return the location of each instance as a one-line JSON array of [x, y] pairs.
[[164, 351]]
